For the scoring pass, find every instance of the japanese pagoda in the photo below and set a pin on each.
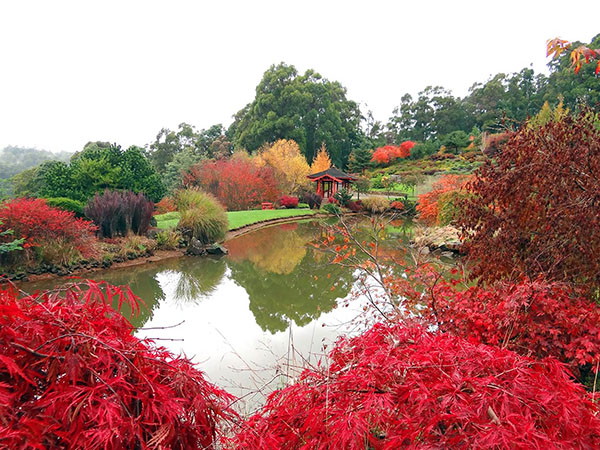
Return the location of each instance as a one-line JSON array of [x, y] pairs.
[[330, 181]]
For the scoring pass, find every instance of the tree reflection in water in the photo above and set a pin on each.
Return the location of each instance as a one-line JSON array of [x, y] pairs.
[[196, 278], [283, 278]]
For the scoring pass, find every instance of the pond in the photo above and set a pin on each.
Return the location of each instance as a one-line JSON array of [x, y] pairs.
[[248, 319]]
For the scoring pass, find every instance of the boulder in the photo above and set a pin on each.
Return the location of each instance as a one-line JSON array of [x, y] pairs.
[[195, 248], [216, 249], [152, 232], [446, 239]]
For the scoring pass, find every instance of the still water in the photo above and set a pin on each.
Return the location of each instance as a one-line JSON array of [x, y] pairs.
[[250, 319]]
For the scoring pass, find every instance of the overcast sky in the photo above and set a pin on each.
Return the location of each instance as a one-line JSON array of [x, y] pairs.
[[119, 71]]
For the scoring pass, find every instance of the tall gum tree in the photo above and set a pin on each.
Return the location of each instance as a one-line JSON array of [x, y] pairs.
[[306, 108]]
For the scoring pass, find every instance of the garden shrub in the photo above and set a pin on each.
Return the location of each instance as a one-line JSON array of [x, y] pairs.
[[39, 225], [388, 153], [166, 205], [377, 181], [67, 204], [449, 206], [354, 206], [73, 375], [288, 201], [397, 205], [57, 251], [331, 208], [118, 213], [313, 200], [343, 197], [99, 166], [201, 215], [427, 205], [132, 246], [168, 239], [376, 204], [403, 387], [9, 245], [492, 144]]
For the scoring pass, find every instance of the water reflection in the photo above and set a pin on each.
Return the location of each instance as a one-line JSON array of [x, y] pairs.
[[242, 311], [195, 280], [285, 279]]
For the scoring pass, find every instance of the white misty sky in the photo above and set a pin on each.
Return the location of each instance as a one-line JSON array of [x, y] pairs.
[[118, 71]]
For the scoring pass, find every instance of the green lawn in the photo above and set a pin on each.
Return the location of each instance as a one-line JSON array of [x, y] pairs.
[[238, 219]]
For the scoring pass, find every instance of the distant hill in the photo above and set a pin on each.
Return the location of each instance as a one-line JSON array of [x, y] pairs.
[[14, 160]]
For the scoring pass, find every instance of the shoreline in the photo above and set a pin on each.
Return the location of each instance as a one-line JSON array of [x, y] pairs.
[[162, 255]]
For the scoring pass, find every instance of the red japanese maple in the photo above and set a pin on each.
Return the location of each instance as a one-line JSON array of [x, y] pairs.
[[537, 319], [72, 375], [535, 208], [396, 387]]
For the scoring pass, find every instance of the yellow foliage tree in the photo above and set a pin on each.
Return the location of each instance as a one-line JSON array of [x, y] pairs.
[[288, 163], [321, 161]]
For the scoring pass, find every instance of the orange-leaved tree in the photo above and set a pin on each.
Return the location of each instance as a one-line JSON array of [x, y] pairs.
[[321, 161], [579, 54]]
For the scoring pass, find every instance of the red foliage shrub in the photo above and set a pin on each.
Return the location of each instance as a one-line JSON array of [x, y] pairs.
[[288, 201], [354, 206], [386, 154], [333, 200], [427, 205], [166, 205], [313, 200], [72, 375], [397, 387], [237, 182], [397, 205], [535, 319], [36, 222], [120, 212], [536, 206]]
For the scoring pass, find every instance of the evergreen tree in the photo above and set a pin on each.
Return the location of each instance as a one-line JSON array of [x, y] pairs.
[[321, 161], [360, 159]]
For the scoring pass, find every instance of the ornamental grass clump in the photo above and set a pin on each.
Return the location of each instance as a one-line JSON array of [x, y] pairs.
[[376, 205], [119, 213], [202, 216]]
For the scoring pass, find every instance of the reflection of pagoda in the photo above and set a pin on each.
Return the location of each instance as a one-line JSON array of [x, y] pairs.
[[329, 181]]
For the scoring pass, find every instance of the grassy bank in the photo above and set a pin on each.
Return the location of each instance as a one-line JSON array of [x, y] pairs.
[[238, 219]]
